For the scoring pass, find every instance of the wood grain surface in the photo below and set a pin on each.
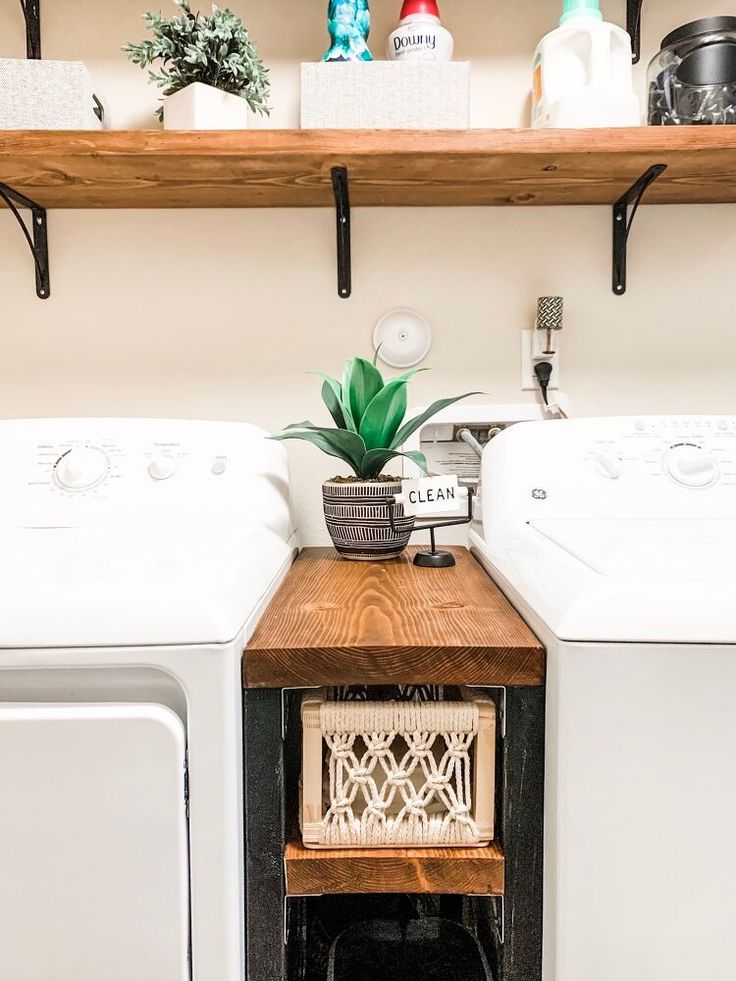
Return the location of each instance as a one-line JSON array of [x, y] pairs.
[[340, 622], [291, 168], [450, 871]]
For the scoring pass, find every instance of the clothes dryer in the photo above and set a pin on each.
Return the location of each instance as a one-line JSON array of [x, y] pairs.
[[136, 557]]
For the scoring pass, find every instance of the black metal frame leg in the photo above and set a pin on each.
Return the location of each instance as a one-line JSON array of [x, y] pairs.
[[263, 782], [522, 834]]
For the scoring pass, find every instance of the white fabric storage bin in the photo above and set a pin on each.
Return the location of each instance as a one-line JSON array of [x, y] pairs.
[[387, 774], [386, 95], [46, 95]]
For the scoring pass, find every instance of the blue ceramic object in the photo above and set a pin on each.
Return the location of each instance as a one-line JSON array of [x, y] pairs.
[[349, 23]]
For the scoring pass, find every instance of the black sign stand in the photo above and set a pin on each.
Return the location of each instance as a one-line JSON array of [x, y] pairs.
[[435, 559]]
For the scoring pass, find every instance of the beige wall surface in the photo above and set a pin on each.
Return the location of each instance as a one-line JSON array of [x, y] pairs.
[[219, 314]]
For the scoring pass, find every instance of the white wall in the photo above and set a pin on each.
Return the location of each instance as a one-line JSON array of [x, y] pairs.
[[221, 313]]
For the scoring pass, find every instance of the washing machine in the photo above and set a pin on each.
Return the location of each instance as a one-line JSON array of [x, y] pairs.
[[616, 540], [136, 557]]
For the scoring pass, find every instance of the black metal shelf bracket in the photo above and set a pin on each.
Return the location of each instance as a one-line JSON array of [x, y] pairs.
[[32, 13], [633, 26], [37, 239], [341, 187], [622, 223]]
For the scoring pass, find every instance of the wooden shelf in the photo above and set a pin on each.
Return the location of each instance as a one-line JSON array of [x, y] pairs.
[[335, 622], [451, 871], [291, 168]]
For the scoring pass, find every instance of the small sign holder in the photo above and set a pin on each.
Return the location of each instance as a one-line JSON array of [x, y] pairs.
[[435, 559]]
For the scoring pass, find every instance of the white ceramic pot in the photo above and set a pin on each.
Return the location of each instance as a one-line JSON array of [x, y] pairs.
[[200, 106]]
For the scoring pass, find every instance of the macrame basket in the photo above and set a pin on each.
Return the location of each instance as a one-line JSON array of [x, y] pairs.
[[387, 774]]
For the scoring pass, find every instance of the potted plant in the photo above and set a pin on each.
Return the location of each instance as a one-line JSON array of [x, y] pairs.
[[209, 70], [369, 414]]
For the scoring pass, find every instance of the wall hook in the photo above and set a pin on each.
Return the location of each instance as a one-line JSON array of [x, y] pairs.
[[633, 26], [37, 241], [32, 14], [622, 223], [341, 187]]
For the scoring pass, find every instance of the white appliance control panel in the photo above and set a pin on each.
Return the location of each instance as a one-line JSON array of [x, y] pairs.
[[81, 463], [694, 453], [73, 472], [657, 466]]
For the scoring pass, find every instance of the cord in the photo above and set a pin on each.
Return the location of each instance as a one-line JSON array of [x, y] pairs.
[[543, 370]]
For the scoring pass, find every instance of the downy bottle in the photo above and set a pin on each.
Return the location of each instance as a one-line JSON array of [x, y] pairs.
[[420, 35]]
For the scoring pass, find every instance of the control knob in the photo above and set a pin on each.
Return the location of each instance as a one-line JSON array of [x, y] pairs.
[[690, 465], [608, 465], [162, 467], [81, 468]]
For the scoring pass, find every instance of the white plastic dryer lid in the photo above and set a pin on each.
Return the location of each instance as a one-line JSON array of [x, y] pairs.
[[138, 532], [601, 530]]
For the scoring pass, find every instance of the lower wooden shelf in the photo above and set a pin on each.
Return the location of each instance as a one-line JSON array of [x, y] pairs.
[[449, 871]]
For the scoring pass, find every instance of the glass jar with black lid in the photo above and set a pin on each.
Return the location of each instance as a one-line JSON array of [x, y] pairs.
[[692, 81]]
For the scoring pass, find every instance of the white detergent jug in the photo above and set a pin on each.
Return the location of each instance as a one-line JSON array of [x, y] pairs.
[[583, 73]]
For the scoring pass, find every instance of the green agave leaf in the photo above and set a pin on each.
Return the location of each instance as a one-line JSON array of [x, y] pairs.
[[331, 398], [301, 425], [332, 395], [419, 458], [410, 374], [384, 415], [376, 353], [361, 384], [339, 443], [375, 460], [411, 427]]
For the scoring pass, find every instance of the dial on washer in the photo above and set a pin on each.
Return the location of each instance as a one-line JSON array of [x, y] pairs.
[[690, 465], [81, 468]]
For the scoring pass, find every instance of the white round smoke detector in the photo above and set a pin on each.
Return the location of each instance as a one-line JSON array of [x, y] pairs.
[[404, 338]]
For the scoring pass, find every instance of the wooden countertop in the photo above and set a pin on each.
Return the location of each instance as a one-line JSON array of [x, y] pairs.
[[336, 622]]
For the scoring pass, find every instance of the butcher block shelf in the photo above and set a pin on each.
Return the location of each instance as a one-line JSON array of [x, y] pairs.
[[292, 168], [461, 871], [335, 622]]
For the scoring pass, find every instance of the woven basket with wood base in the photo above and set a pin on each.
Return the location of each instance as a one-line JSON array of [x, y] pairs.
[[383, 774]]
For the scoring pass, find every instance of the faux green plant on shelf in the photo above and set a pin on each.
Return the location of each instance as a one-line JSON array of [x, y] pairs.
[[209, 68], [369, 415]]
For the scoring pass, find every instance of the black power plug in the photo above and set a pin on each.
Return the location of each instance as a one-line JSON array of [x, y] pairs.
[[543, 371]]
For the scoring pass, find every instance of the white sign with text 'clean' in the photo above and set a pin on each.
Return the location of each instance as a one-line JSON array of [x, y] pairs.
[[430, 495]]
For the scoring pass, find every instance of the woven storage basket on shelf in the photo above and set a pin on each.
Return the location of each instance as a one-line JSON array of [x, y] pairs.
[[386, 95], [37, 94], [387, 774]]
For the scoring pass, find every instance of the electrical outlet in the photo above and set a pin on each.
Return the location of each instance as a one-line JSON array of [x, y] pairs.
[[532, 352]]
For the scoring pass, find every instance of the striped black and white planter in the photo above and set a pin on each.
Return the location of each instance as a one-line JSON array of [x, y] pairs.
[[358, 517]]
